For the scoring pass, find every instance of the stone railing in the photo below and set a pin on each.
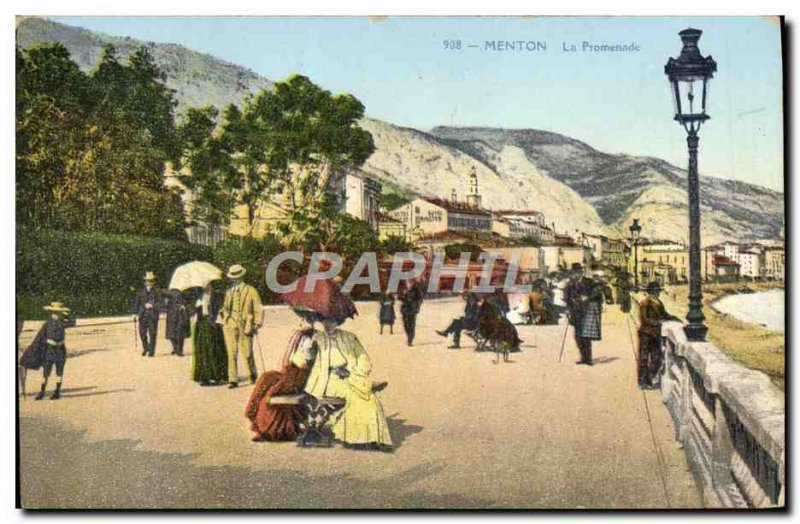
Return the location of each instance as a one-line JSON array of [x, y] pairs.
[[730, 420]]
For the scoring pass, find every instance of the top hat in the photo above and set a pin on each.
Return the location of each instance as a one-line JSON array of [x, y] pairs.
[[149, 276], [236, 271], [56, 307]]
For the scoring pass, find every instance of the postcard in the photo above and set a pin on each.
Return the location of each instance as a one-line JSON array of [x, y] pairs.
[[400, 263]]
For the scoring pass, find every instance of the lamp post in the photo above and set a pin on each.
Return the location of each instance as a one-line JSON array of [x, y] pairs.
[[689, 75], [635, 229]]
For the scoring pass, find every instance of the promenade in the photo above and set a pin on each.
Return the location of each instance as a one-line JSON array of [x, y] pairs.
[[134, 432]]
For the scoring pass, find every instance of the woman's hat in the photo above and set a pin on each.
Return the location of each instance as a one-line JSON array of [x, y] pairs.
[[653, 287], [236, 271], [56, 307], [149, 276]]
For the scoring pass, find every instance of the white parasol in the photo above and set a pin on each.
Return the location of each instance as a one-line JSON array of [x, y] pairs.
[[194, 274]]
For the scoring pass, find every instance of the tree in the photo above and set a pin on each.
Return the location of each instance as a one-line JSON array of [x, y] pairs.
[[396, 244], [453, 251], [91, 149], [294, 141], [389, 200], [531, 240]]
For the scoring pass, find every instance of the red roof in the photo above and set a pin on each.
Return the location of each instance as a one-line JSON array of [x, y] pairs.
[[721, 260], [521, 212], [456, 207]]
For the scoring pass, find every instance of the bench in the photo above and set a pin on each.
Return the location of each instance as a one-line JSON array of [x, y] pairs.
[[317, 412]]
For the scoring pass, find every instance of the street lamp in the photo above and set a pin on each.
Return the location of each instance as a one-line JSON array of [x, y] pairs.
[[689, 75], [635, 230]]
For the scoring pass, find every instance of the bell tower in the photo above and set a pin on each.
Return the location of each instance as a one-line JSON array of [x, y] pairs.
[[473, 196]]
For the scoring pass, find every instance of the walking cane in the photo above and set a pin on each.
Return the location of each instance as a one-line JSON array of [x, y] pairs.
[[23, 376], [564, 341], [260, 354], [135, 334]]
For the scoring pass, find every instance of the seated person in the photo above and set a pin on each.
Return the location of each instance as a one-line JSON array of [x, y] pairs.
[[521, 311], [468, 322], [282, 423], [495, 328], [342, 368]]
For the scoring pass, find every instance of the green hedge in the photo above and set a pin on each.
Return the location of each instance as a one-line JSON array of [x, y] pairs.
[[94, 273]]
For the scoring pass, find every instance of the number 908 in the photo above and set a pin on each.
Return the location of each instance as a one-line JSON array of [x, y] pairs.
[[452, 44]]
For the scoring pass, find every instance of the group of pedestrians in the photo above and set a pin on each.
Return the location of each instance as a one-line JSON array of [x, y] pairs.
[[227, 322], [411, 297]]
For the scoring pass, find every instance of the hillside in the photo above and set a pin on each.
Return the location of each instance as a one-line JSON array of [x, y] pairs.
[[576, 186], [620, 187], [198, 79]]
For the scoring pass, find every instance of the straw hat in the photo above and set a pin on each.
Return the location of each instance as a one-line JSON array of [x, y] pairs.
[[149, 276], [236, 271], [56, 307]]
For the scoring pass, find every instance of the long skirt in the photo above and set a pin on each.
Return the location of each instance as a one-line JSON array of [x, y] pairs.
[[362, 420], [209, 358], [276, 422]]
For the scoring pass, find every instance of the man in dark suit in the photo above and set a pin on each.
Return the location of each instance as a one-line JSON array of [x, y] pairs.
[[588, 304], [469, 321], [178, 325], [146, 307], [410, 304]]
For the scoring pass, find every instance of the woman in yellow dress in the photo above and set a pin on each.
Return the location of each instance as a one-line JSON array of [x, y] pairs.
[[342, 369]]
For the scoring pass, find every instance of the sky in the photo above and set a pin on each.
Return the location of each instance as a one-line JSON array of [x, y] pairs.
[[422, 72]]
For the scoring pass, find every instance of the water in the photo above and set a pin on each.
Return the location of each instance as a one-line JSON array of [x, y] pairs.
[[765, 308]]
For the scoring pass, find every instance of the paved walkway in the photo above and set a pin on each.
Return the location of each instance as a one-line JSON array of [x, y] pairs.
[[534, 433]]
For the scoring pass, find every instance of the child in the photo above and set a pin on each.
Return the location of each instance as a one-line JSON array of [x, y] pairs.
[[48, 348], [386, 315]]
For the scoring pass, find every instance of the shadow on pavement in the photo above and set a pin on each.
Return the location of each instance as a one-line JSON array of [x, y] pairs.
[[82, 352], [55, 480], [399, 430], [604, 360]]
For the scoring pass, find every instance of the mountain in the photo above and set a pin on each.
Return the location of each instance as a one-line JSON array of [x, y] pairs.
[[576, 186], [426, 165], [198, 79], [621, 187]]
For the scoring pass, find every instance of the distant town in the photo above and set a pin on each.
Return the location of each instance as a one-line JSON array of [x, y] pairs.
[[431, 223]]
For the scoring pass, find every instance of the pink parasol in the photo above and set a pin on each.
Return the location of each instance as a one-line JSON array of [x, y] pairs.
[[325, 299]]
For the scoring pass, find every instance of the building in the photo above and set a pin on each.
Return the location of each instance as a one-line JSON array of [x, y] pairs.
[[729, 250], [473, 195], [530, 260], [665, 262], [361, 196], [605, 251], [267, 217], [615, 253], [750, 259], [521, 223], [388, 226], [724, 269], [357, 194], [427, 216], [763, 259], [774, 263], [554, 258]]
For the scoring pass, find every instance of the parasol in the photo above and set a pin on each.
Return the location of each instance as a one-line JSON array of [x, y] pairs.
[[326, 299], [194, 274]]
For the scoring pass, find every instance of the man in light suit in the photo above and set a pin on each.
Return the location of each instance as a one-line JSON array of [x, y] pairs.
[[241, 316]]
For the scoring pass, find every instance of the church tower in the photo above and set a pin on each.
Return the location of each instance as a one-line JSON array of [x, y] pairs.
[[473, 196]]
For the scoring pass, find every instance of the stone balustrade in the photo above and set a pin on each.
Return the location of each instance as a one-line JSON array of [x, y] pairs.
[[730, 420]]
